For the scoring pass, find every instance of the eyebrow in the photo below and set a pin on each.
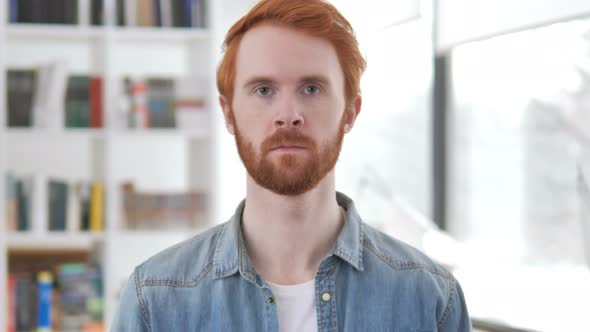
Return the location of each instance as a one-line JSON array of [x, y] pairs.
[[265, 80]]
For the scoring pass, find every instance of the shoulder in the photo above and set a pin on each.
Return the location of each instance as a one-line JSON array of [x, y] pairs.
[[398, 255], [182, 264], [416, 271]]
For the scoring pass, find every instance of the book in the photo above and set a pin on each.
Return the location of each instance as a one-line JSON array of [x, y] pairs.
[[85, 12], [121, 13], [26, 310], [84, 189], [97, 12], [11, 304], [21, 85], [24, 193], [96, 101], [11, 203], [177, 210], [80, 294], [166, 13], [198, 13], [160, 93], [97, 207], [130, 13], [49, 95], [13, 11], [139, 108], [73, 220], [177, 13], [190, 107], [145, 13], [44, 301], [42, 11], [71, 12], [77, 102], [157, 12], [57, 204], [55, 293], [187, 11]]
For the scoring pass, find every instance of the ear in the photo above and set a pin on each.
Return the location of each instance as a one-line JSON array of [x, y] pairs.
[[352, 113], [227, 114]]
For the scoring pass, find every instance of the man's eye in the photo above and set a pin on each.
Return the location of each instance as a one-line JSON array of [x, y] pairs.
[[311, 90], [263, 91]]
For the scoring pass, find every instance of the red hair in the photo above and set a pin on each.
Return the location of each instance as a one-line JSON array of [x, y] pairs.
[[317, 18]]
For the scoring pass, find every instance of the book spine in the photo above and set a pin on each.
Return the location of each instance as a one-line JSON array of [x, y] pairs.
[[11, 304], [23, 192], [11, 203], [97, 207], [131, 13], [140, 107], [187, 10], [97, 14], [96, 107], [73, 218], [44, 293], [25, 302], [55, 87], [84, 12], [21, 87], [120, 12], [166, 13], [144, 13], [58, 197], [84, 192], [196, 13], [157, 13], [13, 11]]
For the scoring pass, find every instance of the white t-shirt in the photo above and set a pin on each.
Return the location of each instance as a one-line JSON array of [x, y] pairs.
[[296, 306]]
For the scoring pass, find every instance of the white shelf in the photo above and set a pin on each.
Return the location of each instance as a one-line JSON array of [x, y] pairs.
[[53, 31], [159, 35], [200, 134], [28, 133], [26, 241], [157, 159]]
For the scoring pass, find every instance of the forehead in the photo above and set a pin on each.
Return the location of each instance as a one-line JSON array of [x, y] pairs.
[[285, 54]]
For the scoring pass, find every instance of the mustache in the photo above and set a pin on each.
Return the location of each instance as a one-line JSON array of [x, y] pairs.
[[287, 137]]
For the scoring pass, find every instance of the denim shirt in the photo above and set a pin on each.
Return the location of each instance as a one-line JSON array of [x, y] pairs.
[[369, 281]]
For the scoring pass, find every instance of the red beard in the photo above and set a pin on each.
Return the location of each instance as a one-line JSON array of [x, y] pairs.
[[290, 174]]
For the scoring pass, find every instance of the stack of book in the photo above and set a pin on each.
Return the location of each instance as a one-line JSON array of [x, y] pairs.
[[161, 13], [66, 297], [71, 205], [42, 11], [163, 210], [47, 97], [159, 102]]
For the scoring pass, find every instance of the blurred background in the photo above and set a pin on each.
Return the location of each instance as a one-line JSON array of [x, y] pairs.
[[473, 145]]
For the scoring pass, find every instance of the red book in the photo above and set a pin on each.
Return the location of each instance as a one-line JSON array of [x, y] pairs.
[[11, 305], [96, 109]]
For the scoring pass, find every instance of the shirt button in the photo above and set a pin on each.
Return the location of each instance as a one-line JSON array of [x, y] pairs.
[[326, 297], [270, 300]]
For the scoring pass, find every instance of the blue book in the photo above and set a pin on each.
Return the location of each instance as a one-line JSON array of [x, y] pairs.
[[44, 290], [13, 11], [188, 13]]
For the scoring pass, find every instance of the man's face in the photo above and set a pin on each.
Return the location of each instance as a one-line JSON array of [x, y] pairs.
[[288, 108]]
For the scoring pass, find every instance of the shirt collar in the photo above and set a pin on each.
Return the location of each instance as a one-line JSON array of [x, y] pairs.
[[230, 253]]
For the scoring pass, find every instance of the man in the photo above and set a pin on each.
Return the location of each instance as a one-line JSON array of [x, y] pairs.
[[295, 256]]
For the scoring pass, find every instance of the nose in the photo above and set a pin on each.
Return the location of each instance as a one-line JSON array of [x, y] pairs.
[[288, 115]]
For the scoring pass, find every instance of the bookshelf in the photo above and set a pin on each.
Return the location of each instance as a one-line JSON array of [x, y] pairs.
[[112, 153]]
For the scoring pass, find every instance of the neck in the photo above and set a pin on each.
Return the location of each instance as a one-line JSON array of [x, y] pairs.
[[287, 237]]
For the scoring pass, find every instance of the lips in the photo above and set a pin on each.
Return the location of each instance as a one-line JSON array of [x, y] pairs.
[[288, 147]]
